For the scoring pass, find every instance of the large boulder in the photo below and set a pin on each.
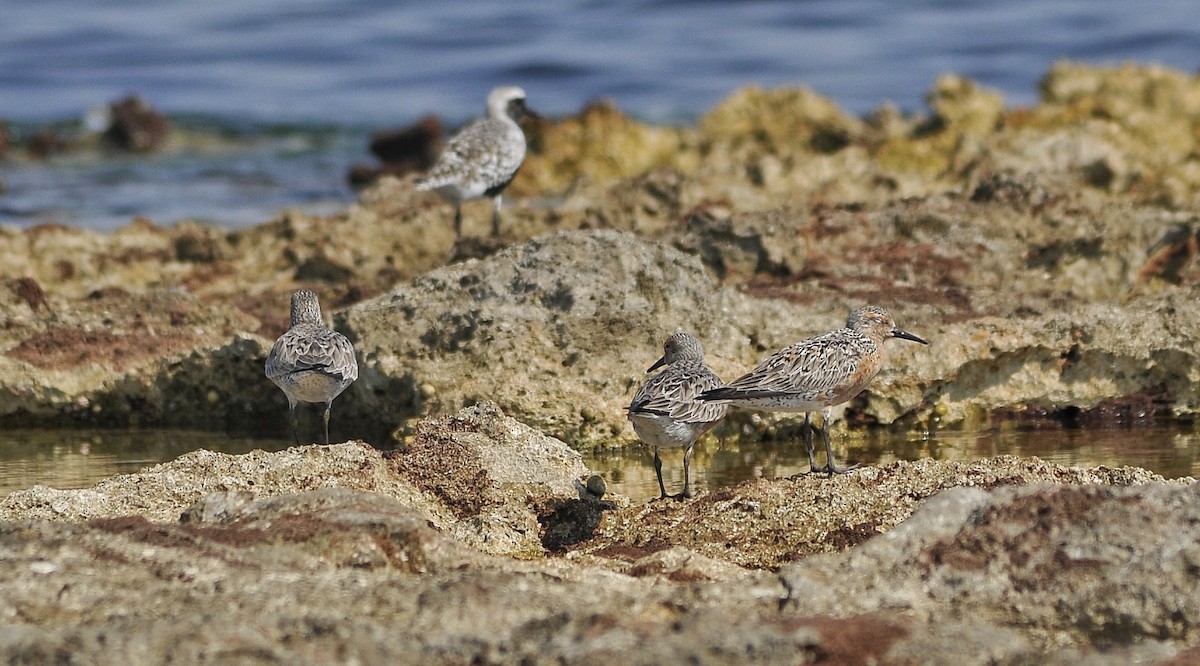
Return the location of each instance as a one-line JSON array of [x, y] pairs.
[[480, 476], [557, 331]]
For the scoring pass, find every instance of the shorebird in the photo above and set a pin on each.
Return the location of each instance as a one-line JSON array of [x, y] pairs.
[[817, 374], [482, 158], [665, 412], [310, 362]]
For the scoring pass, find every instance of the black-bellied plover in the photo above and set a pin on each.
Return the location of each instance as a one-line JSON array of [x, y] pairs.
[[817, 374], [665, 412], [482, 158], [310, 362]]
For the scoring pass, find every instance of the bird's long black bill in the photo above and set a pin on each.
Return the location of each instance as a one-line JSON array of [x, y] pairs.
[[905, 335], [517, 110], [657, 364]]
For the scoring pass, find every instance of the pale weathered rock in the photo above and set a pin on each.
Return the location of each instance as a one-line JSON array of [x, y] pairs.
[[767, 523], [1027, 563], [1075, 566], [551, 330], [1145, 356], [976, 221], [110, 357], [554, 328], [496, 476], [480, 476], [1047, 253], [162, 492]]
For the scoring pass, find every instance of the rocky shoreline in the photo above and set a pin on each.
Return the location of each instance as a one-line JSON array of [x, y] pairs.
[[479, 542], [1047, 253]]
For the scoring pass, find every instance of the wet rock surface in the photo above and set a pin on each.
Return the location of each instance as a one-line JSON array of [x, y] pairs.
[[1048, 254], [460, 470], [346, 553], [770, 522]]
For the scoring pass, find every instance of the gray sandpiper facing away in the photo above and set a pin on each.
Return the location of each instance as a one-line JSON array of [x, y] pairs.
[[310, 362]]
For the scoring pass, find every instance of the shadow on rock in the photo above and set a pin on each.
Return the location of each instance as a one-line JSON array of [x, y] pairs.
[[569, 522]]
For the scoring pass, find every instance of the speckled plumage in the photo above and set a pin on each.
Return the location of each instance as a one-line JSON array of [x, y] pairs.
[[665, 412], [309, 362], [817, 374], [483, 157]]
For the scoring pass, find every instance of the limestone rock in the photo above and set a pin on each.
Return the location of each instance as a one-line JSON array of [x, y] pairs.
[[551, 330], [1069, 564], [479, 475], [1025, 243], [1014, 561], [767, 523]]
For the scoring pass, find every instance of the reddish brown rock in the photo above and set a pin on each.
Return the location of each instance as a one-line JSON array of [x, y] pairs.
[[136, 126], [401, 152]]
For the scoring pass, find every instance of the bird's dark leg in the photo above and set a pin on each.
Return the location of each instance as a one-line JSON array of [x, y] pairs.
[[658, 470], [496, 216], [831, 468], [457, 220], [808, 441], [325, 417], [687, 469], [295, 422]]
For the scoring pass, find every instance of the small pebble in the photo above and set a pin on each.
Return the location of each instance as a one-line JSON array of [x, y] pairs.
[[43, 567], [596, 485]]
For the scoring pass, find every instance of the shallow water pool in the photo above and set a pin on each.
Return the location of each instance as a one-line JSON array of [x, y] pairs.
[[80, 458]]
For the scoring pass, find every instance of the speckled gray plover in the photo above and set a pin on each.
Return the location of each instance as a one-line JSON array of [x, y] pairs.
[[310, 362], [817, 374], [482, 158], [665, 412]]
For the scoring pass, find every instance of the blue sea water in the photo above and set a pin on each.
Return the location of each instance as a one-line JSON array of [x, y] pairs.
[[303, 82]]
